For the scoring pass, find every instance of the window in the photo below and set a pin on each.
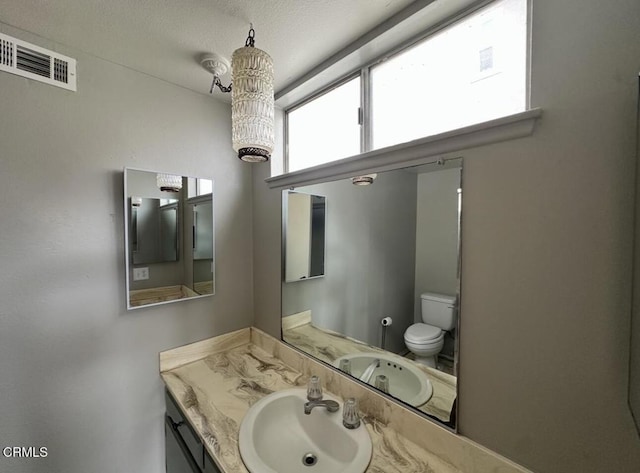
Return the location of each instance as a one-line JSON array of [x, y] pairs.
[[198, 186], [326, 128], [471, 71], [486, 59]]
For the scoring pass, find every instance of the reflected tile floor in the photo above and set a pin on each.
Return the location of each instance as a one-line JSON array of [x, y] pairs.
[[444, 365]]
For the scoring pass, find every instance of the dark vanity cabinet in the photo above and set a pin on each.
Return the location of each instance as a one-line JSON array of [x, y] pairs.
[[184, 452]]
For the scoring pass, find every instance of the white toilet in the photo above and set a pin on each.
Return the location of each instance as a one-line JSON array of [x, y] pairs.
[[426, 340]]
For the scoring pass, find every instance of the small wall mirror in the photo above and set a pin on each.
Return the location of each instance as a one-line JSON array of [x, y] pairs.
[[386, 311], [169, 237], [304, 235]]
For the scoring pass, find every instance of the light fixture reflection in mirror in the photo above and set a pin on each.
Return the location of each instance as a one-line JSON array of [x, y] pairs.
[[169, 238], [392, 248]]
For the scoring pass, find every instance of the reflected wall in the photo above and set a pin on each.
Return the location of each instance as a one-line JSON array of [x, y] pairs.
[[169, 235], [370, 260], [386, 244]]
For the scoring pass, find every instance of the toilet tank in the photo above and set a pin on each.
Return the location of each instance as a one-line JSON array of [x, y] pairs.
[[439, 310]]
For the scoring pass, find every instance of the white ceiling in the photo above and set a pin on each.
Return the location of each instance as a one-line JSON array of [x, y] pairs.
[[166, 38]]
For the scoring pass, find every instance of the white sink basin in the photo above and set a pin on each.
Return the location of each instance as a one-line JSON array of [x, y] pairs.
[[406, 381], [276, 436]]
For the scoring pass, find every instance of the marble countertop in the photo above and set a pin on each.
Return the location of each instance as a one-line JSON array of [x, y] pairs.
[[329, 346], [216, 390]]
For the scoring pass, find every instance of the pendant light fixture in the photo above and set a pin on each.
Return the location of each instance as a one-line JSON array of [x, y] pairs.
[[252, 104], [169, 182]]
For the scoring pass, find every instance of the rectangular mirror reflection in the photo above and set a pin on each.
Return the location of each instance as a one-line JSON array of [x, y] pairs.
[[386, 311], [304, 235], [154, 230], [169, 237]]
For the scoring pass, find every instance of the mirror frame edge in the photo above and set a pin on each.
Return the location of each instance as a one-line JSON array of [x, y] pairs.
[[127, 260], [455, 428]]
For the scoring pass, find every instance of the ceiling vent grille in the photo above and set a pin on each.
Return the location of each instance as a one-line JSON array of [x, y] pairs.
[[31, 61]]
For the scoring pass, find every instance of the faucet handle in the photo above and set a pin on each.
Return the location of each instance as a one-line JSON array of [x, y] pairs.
[[350, 415], [314, 389], [382, 383], [345, 366]]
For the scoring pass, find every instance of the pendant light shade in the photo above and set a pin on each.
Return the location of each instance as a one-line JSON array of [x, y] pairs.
[[169, 182], [252, 104], [252, 108]]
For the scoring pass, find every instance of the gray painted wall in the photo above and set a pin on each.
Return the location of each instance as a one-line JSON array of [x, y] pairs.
[[78, 373], [547, 237], [369, 263], [436, 235], [267, 240]]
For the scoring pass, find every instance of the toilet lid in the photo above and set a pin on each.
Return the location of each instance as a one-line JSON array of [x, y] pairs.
[[421, 333]]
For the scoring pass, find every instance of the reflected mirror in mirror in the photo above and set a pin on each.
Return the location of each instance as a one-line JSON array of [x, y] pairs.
[[304, 235], [169, 237], [154, 230], [386, 311]]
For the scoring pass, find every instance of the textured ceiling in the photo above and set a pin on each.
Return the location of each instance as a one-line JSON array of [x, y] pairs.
[[165, 38]]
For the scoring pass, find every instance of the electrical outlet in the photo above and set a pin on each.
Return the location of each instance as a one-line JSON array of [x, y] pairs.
[[140, 274]]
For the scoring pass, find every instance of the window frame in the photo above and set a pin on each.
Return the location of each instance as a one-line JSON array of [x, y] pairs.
[[310, 98], [364, 71]]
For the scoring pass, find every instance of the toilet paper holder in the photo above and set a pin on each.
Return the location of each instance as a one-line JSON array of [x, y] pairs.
[[386, 323]]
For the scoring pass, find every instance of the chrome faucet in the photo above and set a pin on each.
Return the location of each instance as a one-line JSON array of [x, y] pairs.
[[366, 376], [331, 406], [350, 414], [314, 397]]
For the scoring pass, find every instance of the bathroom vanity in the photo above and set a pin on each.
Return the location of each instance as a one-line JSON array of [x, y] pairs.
[[184, 450], [212, 384]]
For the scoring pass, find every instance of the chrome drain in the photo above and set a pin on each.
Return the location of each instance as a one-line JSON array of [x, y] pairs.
[[309, 459]]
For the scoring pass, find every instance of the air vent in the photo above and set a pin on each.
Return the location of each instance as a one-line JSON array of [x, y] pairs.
[[31, 61], [6, 52]]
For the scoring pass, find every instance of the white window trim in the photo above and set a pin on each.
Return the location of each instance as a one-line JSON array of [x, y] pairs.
[[299, 93], [414, 153], [412, 24]]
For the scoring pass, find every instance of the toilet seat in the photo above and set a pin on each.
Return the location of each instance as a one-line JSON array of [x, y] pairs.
[[423, 334]]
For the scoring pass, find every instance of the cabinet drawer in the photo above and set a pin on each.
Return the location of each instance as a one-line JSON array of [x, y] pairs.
[[185, 430], [178, 459]]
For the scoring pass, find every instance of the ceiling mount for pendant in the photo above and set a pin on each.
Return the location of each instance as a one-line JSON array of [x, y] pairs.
[[216, 64]]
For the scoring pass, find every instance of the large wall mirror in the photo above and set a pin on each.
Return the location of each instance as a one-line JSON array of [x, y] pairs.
[[386, 311], [169, 237]]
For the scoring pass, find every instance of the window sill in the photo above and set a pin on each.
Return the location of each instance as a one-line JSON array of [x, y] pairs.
[[414, 153]]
